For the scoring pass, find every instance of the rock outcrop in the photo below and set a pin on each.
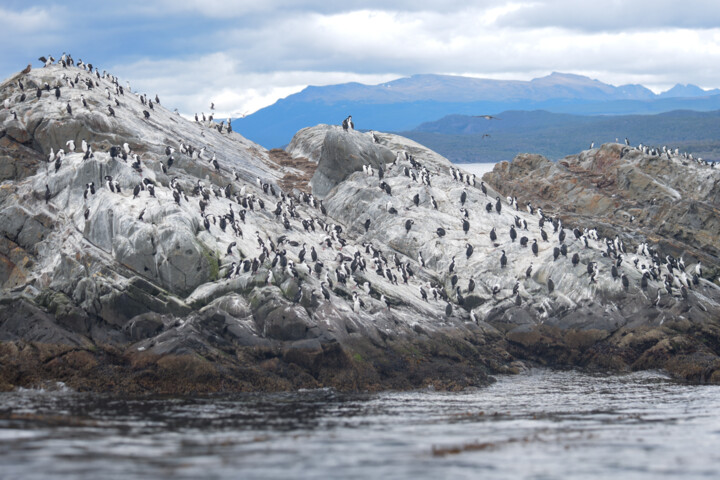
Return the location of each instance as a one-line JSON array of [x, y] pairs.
[[661, 198], [218, 271], [338, 153]]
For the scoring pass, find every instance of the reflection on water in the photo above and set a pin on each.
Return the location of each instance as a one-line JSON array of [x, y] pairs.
[[543, 424]]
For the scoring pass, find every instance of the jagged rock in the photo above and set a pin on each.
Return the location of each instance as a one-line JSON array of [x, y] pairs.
[[21, 320], [669, 202], [338, 153], [149, 293], [145, 325]]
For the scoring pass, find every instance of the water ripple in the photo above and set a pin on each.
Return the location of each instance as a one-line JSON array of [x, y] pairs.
[[542, 424]]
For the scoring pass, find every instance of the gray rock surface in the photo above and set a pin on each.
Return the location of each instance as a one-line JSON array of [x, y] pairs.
[[666, 199], [338, 153], [150, 299]]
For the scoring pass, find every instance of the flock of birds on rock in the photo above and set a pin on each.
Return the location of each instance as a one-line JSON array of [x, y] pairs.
[[341, 267], [647, 263], [670, 154], [88, 77]]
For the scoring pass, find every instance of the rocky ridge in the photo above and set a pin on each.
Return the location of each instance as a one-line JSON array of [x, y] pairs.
[[210, 284], [640, 193]]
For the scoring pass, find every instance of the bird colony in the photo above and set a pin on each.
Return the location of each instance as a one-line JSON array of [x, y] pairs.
[[125, 188]]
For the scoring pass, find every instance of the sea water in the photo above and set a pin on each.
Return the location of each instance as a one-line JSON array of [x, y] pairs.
[[541, 424]]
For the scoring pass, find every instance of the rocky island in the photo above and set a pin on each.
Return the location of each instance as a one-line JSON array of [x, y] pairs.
[[142, 252]]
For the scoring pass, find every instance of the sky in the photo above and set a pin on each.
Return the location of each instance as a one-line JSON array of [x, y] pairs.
[[245, 54]]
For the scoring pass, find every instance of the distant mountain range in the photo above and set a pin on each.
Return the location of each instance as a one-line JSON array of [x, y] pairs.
[[405, 103], [462, 138]]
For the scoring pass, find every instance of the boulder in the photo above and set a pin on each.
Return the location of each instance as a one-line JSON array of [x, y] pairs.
[[338, 154]]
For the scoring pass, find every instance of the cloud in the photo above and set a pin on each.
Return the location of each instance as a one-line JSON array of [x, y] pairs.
[[248, 53], [191, 84], [283, 8], [27, 21], [614, 15], [28, 33], [375, 42]]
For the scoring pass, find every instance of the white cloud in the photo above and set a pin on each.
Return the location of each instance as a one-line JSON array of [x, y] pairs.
[[281, 8], [26, 21], [246, 54], [615, 15], [368, 41], [191, 84]]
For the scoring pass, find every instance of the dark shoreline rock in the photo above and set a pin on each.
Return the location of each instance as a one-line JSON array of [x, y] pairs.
[[403, 365]]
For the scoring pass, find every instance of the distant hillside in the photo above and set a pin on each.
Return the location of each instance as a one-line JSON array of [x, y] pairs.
[[405, 103], [463, 138], [688, 90]]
